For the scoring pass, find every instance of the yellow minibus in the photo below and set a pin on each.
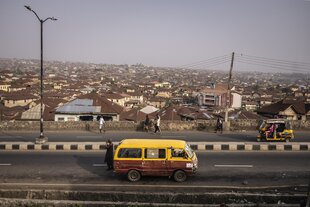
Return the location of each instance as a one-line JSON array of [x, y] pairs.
[[155, 157]]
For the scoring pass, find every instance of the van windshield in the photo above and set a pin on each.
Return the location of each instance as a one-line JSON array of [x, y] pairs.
[[189, 151]]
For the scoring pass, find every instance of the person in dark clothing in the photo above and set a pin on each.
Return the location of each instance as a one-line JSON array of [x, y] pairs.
[[147, 123], [109, 155], [219, 125]]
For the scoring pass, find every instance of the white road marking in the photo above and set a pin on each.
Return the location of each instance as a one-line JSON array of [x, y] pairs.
[[5, 164], [99, 165], [237, 166]]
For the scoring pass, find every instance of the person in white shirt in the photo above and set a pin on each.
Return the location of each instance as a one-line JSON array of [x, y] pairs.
[[101, 124], [157, 124]]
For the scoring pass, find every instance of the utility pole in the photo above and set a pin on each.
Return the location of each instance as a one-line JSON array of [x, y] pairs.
[[41, 139], [228, 99]]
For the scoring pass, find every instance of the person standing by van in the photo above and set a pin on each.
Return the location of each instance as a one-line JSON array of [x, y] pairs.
[[157, 124], [109, 155]]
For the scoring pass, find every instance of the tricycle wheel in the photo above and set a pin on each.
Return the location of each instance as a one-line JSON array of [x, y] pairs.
[[287, 140]]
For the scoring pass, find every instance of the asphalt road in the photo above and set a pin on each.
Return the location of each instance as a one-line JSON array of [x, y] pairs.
[[245, 169], [94, 136]]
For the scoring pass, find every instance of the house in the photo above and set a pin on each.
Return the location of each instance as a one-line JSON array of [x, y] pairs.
[[183, 113], [133, 115], [17, 99], [4, 86], [216, 95], [115, 98], [236, 100], [242, 114], [149, 109], [157, 102], [132, 104], [136, 96], [250, 105], [49, 106], [292, 110], [10, 113], [163, 93], [162, 84], [16, 88], [89, 107]]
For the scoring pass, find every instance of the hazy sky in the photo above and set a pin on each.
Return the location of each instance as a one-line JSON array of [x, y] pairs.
[[156, 32]]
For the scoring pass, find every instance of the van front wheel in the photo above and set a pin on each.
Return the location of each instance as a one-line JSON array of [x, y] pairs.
[[179, 176], [133, 175]]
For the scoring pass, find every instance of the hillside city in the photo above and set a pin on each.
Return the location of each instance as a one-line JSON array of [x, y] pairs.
[[75, 91]]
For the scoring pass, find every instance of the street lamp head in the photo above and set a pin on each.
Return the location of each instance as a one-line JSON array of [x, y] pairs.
[[28, 7], [54, 19]]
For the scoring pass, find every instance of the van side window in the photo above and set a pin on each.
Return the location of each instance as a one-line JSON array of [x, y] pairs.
[[155, 153], [129, 153], [177, 153]]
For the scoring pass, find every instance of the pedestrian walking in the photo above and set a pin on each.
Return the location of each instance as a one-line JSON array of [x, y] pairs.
[[219, 125], [147, 123], [101, 124], [109, 154], [157, 124]]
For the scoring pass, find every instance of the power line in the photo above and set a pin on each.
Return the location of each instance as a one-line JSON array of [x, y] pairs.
[[276, 64], [275, 60], [284, 65], [220, 62], [292, 66], [212, 61]]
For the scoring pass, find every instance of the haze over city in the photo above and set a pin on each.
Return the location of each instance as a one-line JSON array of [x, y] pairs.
[[161, 33]]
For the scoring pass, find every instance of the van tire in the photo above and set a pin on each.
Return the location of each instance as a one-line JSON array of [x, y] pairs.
[[133, 175], [179, 176]]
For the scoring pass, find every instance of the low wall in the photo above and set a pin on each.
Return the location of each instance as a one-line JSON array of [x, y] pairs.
[[209, 125]]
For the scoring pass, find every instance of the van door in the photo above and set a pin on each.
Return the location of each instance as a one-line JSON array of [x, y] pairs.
[[179, 160], [155, 162]]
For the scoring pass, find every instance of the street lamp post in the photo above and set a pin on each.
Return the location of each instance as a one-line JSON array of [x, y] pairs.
[[41, 139]]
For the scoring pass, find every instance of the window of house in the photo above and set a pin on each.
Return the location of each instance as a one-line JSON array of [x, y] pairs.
[[71, 119], [155, 153], [61, 119], [130, 153]]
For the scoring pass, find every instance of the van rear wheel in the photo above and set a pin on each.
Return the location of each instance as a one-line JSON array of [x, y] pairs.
[[179, 176], [133, 175]]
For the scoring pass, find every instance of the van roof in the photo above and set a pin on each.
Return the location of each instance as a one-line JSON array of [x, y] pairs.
[[152, 143]]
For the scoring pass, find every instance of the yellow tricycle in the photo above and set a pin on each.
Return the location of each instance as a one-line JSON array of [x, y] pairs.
[[275, 130]]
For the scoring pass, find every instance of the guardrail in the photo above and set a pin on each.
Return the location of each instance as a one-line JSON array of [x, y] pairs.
[[197, 146]]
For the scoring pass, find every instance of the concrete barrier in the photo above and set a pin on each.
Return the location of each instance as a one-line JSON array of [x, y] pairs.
[[197, 146], [165, 125]]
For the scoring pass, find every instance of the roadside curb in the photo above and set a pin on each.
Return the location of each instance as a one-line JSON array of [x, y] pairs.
[[250, 146], [197, 146]]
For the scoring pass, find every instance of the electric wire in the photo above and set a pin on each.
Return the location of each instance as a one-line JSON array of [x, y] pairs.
[[209, 62], [274, 60], [281, 65], [285, 65]]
